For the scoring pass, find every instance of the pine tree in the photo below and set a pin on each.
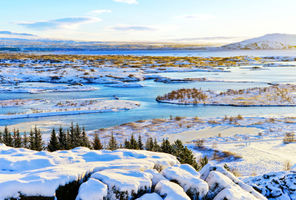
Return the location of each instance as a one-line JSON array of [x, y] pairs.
[[53, 143], [68, 140], [38, 139], [32, 140], [112, 143], [7, 139], [166, 146], [25, 141], [72, 136], [17, 141], [140, 143], [127, 144], [156, 147], [97, 145], [84, 139], [149, 144], [1, 137], [133, 142], [77, 136], [62, 139]]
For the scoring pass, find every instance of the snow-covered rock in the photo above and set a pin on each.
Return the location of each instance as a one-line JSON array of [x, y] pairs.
[[150, 196], [92, 190], [269, 41], [33, 173], [275, 185], [124, 183], [170, 191], [189, 179], [224, 178], [156, 177]]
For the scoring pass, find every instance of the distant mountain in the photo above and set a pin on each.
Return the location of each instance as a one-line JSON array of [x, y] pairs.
[[269, 41]]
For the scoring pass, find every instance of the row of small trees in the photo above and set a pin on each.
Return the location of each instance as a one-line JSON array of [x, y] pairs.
[[76, 136]]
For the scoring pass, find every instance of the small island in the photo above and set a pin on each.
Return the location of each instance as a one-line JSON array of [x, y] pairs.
[[274, 95]]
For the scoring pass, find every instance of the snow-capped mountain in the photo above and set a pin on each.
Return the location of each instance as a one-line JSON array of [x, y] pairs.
[[269, 41]]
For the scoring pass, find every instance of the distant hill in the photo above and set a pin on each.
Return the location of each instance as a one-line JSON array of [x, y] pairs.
[[269, 41], [22, 44]]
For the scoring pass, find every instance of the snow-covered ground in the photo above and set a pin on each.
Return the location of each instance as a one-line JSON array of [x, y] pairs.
[[257, 142], [42, 88], [44, 108], [120, 174]]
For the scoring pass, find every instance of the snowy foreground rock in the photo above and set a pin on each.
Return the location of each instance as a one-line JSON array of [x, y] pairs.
[[276, 185], [120, 174]]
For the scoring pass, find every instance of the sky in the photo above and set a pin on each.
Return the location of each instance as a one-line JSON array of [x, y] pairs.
[[146, 20]]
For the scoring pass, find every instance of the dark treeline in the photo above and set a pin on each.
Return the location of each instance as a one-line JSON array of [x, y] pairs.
[[75, 136]]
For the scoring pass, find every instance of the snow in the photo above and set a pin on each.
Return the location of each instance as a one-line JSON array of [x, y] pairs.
[[275, 185], [150, 196], [124, 181], [269, 41], [128, 174], [170, 191], [45, 108], [43, 87], [92, 190], [41, 173], [219, 179], [188, 178], [275, 95]]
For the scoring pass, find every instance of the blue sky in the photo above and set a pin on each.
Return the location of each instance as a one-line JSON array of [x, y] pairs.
[[146, 20]]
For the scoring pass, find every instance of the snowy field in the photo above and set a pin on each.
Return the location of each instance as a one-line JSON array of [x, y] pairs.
[[45, 108], [257, 142]]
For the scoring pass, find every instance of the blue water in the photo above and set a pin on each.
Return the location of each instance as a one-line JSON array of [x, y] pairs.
[[146, 96]]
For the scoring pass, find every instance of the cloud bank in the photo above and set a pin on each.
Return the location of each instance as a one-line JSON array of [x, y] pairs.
[[15, 34], [71, 22], [132, 28]]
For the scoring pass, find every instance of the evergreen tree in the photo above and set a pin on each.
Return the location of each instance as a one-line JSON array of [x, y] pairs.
[[32, 140], [53, 143], [133, 142], [68, 140], [140, 143], [97, 145], [25, 141], [1, 137], [84, 139], [72, 136], [112, 143], [62, 139], [7, 139], [149, 144], [77, 140], [127, 144], [156, 147], [17, 141], [166, 146], [38, 139]]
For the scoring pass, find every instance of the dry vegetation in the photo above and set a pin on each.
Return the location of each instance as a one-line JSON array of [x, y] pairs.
[[125, 61]]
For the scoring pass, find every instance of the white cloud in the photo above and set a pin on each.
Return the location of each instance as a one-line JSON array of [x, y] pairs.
[[197, 17], [62, 23], [132, 28], [127, 1]]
